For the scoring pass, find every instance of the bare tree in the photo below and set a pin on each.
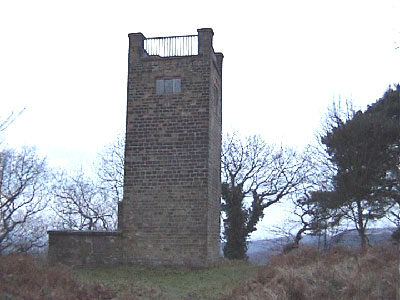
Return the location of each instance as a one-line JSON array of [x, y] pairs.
[[81, 204], [252, 169], [23, 194], [110, 168], [5, 123]]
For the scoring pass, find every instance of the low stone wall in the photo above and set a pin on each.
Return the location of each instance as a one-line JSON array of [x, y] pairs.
[[85, 247]]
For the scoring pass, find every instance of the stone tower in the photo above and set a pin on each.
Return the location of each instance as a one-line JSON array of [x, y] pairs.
[[170, 211]]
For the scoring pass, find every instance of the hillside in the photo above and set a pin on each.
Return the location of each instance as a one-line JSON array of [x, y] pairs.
[[339, 273], [260, 250]]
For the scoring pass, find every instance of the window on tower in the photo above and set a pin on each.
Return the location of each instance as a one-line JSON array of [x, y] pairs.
[[168, 86]]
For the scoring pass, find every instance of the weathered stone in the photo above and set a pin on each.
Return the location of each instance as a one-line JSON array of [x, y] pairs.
[[85, 247]]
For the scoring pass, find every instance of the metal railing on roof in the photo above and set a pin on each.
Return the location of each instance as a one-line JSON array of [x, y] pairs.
[[172, 45]]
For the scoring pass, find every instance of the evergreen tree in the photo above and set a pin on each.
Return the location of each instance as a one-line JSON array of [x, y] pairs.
[[365, 150]]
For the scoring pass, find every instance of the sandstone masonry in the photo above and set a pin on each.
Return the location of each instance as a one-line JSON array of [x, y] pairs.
[[170, 211]]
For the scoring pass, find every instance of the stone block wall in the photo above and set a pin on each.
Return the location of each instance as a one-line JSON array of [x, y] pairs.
[[85, 247], [214, 158], [172, 158]]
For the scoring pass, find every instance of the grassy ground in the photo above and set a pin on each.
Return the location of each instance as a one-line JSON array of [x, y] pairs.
[[305, 274], [135, 282]]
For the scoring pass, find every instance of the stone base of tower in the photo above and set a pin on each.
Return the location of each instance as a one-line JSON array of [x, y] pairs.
[[76, 248], [162, 256], [92, 248]]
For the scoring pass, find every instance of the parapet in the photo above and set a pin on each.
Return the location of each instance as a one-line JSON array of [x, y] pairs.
[[174, 46]]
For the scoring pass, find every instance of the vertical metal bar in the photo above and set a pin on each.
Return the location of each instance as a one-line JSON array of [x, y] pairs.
[[150, 47]]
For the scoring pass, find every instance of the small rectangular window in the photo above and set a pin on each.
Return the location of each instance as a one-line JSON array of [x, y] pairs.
[[177, 85], [160, 86], [168, 86]]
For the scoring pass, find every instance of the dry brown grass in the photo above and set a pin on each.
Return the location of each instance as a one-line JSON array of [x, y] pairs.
[[305, 274], [26, 277], [337, 274]]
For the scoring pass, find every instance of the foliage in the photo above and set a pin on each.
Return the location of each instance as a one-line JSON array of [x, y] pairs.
[[317, 213], [253, 169], [364, 146]]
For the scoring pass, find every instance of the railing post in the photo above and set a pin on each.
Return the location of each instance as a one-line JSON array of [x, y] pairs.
[[219, 57], [136, 46], [205, 41]]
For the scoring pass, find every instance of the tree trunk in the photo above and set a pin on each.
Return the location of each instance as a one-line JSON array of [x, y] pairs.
[[361, 230], [364, 241], [396, 239]]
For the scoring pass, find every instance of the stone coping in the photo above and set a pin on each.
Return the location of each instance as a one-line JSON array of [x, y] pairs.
[[85, 232]]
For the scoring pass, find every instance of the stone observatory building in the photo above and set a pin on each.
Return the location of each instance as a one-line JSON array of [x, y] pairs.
[[170, 211]]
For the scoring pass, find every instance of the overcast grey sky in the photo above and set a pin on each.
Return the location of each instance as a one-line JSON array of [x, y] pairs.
[[285, 61]]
